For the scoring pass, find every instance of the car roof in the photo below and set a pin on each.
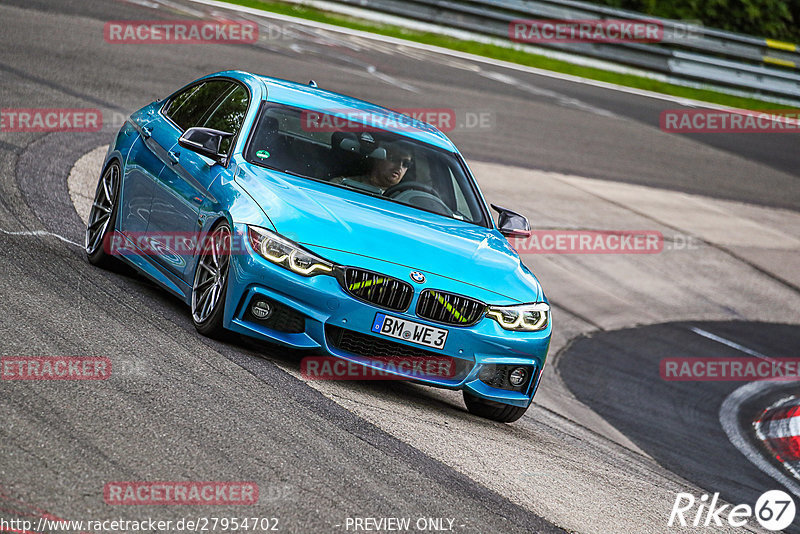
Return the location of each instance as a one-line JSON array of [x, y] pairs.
[[314, 98]]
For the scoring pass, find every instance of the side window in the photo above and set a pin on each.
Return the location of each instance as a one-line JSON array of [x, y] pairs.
[[188, 107], [229, 115]]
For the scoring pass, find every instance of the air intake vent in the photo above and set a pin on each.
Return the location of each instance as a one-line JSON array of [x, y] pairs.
[[496, 376], [378, 349], [281, 318], [377, 289], [448, 308]]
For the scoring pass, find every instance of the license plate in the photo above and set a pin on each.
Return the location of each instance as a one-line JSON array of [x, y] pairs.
[[421, 334]]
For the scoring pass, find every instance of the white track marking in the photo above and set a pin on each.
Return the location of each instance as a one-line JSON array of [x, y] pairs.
[[390, 80], [538, 91], [298, 49], [174, 6], [144, 3], [729, 343], [41, 233]]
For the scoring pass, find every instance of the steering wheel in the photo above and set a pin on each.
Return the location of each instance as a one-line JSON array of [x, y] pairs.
[[405, 186], [429, 194]]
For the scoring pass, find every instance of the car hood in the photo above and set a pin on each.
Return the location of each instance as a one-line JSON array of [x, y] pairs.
[[330, 219]]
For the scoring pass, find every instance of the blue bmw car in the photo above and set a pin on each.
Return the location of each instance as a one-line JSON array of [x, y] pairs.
[[315, 220]]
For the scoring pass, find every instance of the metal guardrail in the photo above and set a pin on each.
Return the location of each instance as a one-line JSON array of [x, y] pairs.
[[687, 51]]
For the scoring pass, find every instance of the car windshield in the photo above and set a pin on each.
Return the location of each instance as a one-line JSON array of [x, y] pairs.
[[361, 157]]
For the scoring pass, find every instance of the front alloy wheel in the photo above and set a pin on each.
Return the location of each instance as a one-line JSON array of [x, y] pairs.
[[211, 282], [102, 216]]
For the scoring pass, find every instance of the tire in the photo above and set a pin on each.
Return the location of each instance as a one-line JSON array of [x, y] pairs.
[[103, 217], [210, 284], [496, 411]]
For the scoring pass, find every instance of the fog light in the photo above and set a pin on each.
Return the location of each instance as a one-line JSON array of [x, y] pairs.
[[261, 309], [518, 376]]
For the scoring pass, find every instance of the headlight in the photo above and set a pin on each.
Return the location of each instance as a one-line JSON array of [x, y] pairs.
[[522, 317], [287, 254]]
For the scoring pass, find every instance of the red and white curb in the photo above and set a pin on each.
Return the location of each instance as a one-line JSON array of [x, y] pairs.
[[778, 428]]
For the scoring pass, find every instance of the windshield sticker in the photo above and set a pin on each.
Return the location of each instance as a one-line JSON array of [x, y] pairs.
[[263, 154]]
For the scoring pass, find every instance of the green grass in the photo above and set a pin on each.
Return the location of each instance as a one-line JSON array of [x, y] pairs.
[[509, 54]]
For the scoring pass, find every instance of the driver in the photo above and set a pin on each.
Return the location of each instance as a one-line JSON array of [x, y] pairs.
[[388, 172]]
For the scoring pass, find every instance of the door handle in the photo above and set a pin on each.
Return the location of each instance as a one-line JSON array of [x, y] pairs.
[[147, 132], [175, 157]]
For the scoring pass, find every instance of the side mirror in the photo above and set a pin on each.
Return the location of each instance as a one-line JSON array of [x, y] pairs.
[[204, 141], [511, 223]]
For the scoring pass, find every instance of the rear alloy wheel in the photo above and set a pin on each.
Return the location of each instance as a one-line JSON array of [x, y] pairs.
[[102, 216], [496, 411], [211, 282]]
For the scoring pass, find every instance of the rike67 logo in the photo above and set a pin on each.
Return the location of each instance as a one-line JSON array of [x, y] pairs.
[[774, 510]]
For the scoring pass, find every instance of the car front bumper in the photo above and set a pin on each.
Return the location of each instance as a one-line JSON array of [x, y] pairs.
[[319, 309]]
